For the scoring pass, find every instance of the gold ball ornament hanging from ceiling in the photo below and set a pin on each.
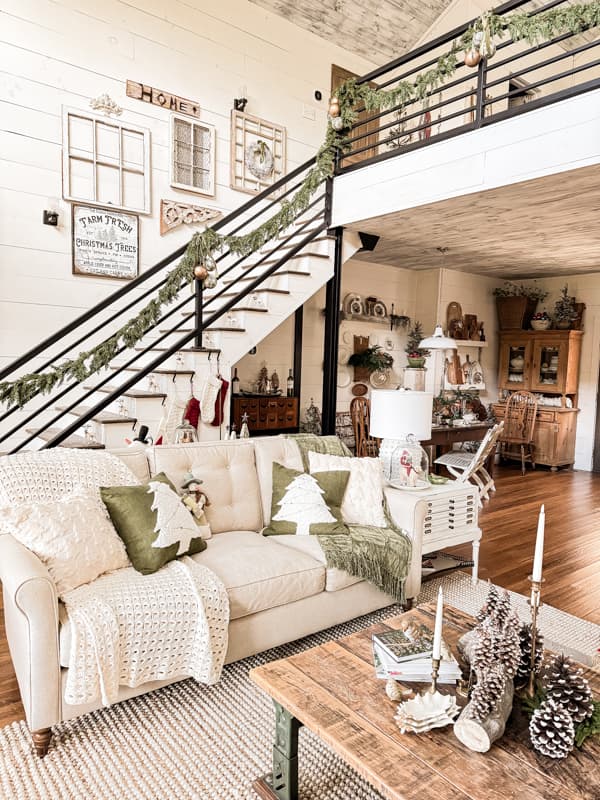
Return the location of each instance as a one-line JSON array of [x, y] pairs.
[[334, 107], [472, 57], [200, 272]]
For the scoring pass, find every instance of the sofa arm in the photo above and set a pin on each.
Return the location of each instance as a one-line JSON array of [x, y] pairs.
[[31, 616], [409, 515]]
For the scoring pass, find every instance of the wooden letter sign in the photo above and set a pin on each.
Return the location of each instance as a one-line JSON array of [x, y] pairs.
[[148, 94]]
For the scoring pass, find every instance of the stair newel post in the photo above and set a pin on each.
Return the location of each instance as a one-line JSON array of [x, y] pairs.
[[331, 337], [199, 291]]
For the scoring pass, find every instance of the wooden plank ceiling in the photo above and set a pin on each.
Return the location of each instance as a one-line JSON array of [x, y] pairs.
[[378, 30], [543, 227]]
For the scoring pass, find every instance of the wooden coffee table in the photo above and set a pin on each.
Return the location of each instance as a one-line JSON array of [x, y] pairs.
[[332, 690]]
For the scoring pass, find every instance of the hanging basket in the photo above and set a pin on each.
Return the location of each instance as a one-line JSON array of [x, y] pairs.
[[515, 312]]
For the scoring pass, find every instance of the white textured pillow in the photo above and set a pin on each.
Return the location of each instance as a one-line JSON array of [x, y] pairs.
[[72, 536], [363, 501]]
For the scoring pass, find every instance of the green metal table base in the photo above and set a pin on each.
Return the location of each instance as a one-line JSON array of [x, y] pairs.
[[282, 783]]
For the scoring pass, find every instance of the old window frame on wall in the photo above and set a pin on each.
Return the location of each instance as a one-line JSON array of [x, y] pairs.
[[105, 232], [246, 131], [110, 152], [184, 150]]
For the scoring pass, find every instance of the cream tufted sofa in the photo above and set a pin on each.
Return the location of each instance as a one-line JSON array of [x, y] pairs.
[[279, 588]]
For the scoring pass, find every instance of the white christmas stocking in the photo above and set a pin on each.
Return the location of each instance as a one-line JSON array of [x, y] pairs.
[[208, 398]]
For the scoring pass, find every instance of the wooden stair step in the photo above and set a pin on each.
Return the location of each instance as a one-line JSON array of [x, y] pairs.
[[160, 371], [207, 330], [293, 258], [260, 310], [101, 416], [74, 441], [133, 392], [259, 291], [196, 350], [230, 281]]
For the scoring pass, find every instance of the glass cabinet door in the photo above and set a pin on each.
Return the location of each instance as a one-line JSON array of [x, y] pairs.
[[549, 366], [515, 363]]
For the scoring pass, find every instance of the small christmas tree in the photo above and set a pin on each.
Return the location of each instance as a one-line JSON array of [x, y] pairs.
[[551, 730], [303, 504], [415, 335]]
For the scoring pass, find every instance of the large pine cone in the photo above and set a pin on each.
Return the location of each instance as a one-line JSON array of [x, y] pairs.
[[564, 683], [487, 692], [551, 730], [491, 601], [509, 646], [522, 675]]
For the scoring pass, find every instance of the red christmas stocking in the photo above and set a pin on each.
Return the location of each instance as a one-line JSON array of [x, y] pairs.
[[220, 403], [192, 412]]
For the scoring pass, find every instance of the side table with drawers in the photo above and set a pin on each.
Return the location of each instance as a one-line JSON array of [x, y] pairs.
[[438, 517], [266, 414]]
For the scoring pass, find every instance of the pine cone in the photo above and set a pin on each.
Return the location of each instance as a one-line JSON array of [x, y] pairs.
[[490, 604], [487, 692], [564, 683], [551, 730], [485, 652], [502, 610], [522, 674], [509, 646]]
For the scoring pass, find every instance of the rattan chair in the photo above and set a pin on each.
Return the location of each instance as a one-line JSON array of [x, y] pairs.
[[471, 466], [519, 425], [360, 412]]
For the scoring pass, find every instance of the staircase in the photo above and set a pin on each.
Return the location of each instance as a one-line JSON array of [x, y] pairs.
[[252, 297]]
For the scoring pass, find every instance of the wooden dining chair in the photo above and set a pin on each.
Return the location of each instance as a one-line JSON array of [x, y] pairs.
[[360, 412], [519, 426]]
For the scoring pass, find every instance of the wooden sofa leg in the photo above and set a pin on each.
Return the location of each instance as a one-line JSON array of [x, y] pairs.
[[408, 604], [41, 741]]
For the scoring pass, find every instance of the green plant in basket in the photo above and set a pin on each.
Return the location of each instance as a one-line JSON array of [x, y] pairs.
[[511, 289], [373, 359]]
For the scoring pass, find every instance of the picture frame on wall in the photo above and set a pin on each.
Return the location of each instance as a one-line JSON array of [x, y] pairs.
[[258, 152], [105, 242]]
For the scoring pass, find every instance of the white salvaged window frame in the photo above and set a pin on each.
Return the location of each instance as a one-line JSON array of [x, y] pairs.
[[193, 156], [105, 162]]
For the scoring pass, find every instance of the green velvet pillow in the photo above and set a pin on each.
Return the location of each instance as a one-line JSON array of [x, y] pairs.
[[153, 523], [305, 504]]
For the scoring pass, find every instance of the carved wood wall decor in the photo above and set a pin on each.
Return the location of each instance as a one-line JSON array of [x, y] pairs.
[[158, 97], [173, 214], [257, 152]]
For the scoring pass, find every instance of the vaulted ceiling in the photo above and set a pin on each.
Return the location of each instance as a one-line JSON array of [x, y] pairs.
[[378, 30]]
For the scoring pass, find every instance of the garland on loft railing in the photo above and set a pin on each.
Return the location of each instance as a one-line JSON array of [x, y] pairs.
[[476, 43]]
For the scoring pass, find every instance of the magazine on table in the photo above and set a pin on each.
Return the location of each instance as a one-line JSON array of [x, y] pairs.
[[405, 645], [416, 671]]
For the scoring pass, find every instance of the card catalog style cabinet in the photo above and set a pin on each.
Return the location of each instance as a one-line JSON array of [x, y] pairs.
[[544, 362]]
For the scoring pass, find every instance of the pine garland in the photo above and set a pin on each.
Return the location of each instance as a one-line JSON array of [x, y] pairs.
[[519, 26]]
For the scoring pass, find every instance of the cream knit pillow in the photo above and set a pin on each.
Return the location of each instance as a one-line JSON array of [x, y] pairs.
[[363, 501], [73, 536]]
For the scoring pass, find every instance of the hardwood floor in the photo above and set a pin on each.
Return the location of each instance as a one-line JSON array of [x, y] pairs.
[[509, 522]]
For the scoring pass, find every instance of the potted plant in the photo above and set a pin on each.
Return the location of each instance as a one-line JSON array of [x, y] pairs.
[[416, 355], [565, 312], [516, 304], [373, 359]]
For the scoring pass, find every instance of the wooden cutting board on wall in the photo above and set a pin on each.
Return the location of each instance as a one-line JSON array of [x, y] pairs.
[[454, 372]]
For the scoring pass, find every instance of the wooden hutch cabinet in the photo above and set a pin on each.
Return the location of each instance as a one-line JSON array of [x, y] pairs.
[[266, 414], [544, 362]]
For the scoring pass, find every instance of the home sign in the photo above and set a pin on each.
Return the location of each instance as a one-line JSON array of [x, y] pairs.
[[158, 97]]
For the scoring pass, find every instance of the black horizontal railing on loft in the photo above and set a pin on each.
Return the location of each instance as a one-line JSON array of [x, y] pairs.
[[519, 78]]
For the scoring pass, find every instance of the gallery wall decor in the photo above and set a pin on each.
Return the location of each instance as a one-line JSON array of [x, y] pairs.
[[193, 156], [105, 242], [173, 214], [158, 97], [106, 105], [257, 152], [105, 161]]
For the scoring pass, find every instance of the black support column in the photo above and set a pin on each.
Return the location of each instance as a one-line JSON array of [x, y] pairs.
[[331, 337]]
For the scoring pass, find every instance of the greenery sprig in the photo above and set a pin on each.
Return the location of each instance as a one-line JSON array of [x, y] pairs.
[[351, 96]]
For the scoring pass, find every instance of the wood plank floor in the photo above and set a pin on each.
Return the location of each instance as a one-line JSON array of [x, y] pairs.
[[509, 521]]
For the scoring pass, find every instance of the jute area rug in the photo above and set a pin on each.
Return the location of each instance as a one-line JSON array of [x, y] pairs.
[[192, 742]]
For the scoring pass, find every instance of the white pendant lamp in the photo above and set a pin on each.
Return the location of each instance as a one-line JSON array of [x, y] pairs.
[[438, 341]]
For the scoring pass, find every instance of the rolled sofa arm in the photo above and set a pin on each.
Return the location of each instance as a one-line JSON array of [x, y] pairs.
[[31, 616], [409, 516]]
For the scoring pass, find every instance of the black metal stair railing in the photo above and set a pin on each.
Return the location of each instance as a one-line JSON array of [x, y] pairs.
[[520, 78], [101, 321]]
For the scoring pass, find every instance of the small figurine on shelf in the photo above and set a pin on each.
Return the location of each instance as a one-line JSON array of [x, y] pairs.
[[481, 332], [274, 382], [312, 419], [244, 430], [263, 380], [232, 433]]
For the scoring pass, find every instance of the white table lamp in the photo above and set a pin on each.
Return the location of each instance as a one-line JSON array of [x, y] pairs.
[[401, 419]]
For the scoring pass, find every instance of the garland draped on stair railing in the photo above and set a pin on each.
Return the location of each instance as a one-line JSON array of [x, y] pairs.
[[351, 95]]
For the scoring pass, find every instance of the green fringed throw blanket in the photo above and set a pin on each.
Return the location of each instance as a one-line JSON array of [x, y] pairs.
[[378, 555]]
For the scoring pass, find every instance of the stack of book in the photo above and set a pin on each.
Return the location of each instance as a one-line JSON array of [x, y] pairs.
[[406, 656]]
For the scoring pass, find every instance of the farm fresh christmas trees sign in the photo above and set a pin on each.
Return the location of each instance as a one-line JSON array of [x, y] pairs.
[[105, 243]]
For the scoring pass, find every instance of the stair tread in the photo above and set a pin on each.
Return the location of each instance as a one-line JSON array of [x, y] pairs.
[[74, 441], [183, 349], [259, 310], [163, 371], [207, 330], [133, 392], [259, 291], [101, 416], [289, 245], [230, 281]]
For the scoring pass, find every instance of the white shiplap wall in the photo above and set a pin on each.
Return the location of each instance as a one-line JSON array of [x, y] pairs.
[[67, 52]]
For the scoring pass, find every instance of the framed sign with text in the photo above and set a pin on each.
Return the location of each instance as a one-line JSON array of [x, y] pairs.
[[105, 243]]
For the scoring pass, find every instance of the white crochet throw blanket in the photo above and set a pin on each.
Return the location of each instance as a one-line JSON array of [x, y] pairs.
[[129, 628]]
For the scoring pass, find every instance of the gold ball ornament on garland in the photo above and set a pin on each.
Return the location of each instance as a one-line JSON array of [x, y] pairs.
[[472, 57], [334, 107], [200, 272]]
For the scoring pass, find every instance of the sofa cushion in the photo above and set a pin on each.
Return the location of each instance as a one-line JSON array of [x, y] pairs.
[[268, 449], [153, 522], [135, 458], [229, 478], [73, 536], [335, 579], [258, 573], [304, 504], [363, 500]]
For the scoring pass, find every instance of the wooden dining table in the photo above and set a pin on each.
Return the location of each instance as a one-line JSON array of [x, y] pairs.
[[444, 436]]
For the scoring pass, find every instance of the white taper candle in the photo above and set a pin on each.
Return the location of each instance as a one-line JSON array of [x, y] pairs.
[[538, 557], [437, 631]]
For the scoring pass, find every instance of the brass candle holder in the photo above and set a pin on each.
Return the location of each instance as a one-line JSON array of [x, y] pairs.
[[435, 671], [535, 602]]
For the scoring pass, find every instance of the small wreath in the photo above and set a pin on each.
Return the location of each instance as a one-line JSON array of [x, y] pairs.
[[259, 159]]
